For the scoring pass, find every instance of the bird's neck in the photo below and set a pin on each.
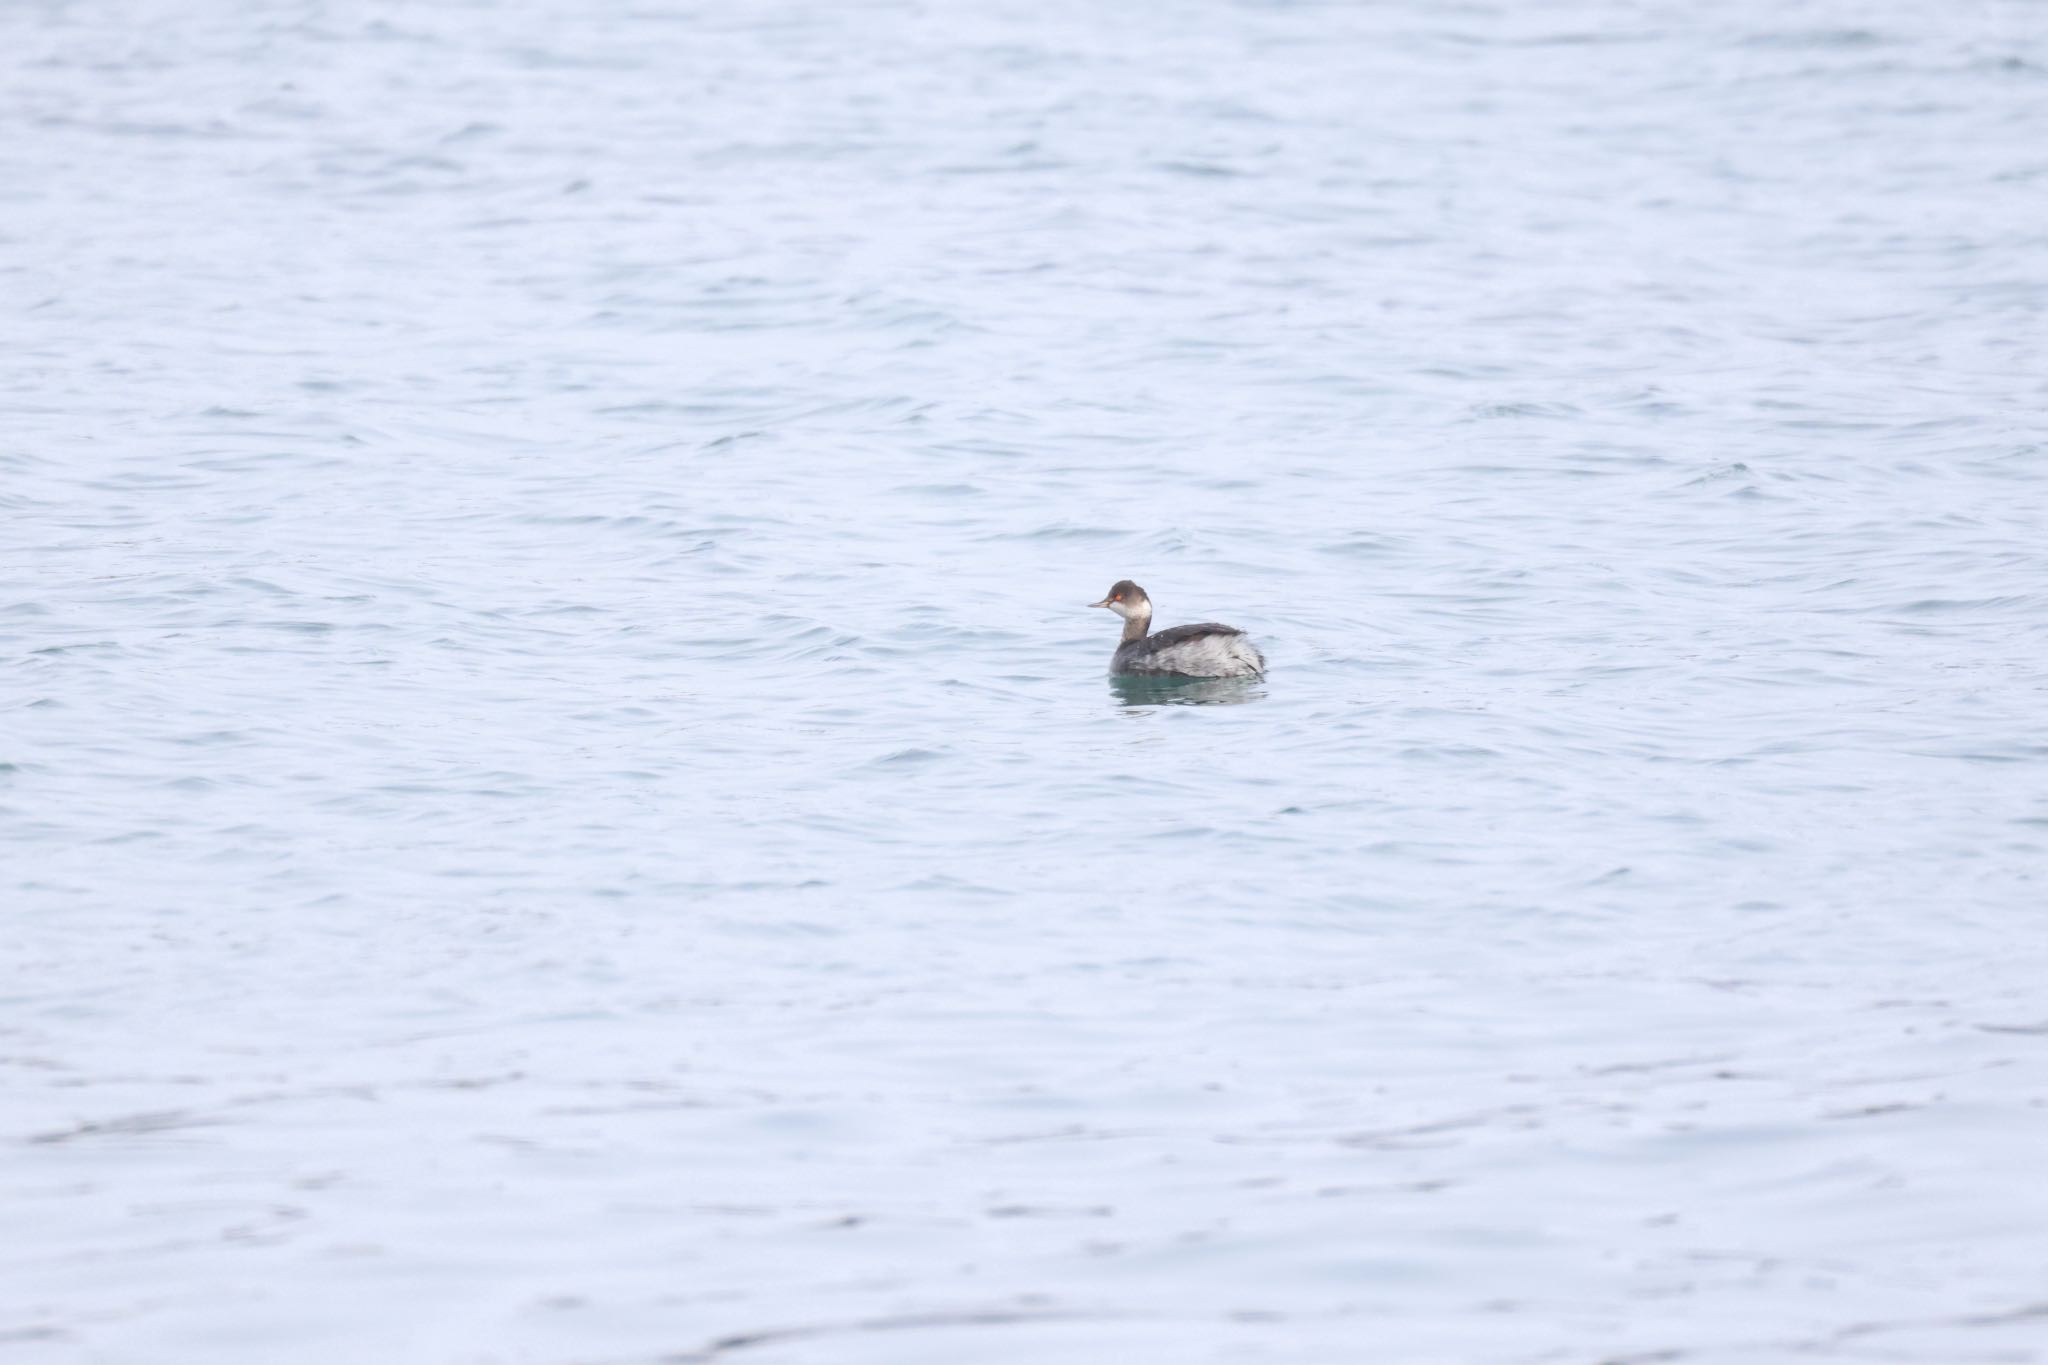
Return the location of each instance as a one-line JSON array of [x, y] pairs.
[[1135, 626]]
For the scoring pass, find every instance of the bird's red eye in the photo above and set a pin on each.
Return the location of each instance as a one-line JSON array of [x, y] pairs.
[[1118, 598]]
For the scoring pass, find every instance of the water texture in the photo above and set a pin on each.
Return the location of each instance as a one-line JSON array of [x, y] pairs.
[[559, 803]]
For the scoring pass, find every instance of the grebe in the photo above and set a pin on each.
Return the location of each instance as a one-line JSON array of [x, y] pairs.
[[1204, 651]]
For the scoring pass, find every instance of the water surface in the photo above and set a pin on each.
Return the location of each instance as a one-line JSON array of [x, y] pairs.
[[558, 801]]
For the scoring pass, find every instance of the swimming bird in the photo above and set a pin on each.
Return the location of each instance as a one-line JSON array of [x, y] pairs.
[[1204, 651]]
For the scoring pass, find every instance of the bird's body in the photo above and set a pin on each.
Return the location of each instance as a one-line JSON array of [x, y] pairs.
[[1202, 651]]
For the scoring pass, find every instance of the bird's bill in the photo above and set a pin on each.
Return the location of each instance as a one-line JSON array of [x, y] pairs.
[[1103, 603]]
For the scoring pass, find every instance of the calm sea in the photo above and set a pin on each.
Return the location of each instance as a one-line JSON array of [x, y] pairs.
[[560, 805]]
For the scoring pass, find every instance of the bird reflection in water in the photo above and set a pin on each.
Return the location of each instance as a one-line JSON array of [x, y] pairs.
[[1135, 690]]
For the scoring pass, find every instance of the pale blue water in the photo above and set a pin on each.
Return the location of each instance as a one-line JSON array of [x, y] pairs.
[[561, 803]]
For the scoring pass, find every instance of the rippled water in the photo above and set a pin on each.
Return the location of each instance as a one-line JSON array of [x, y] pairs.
[[561, 804]]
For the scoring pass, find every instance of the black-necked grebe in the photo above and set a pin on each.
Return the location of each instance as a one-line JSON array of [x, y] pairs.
[[1204, 651]]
